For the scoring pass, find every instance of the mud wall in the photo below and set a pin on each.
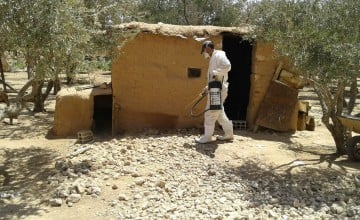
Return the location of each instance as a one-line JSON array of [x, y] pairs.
[[74, 110], [264, 64], [150, 82], [151, 86]]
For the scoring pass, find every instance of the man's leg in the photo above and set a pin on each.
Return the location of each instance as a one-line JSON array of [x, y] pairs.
[[224, 121], [227, 126], [209, 126]]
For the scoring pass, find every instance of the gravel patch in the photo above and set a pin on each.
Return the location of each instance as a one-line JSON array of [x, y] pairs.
[[171, 177]]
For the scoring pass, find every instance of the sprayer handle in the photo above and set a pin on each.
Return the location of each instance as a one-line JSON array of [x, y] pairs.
[[204, 91]]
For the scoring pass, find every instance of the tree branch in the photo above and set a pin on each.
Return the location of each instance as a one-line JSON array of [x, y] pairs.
[[184, 11]]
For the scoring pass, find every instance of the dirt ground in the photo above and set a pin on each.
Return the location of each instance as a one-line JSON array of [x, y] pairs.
[[27, 156]]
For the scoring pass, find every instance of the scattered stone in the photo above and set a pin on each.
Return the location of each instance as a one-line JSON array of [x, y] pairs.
[[55, 202], [123, 197], [211, 172], [113, 203], [79, 189], [161, 184], [129, 170], [336, 208], [169, 177], [63, 164], [74, 198], [140, 182], [350, 213], [96, 190]]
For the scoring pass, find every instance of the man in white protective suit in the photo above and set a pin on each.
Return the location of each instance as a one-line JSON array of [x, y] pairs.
[[219, 66]]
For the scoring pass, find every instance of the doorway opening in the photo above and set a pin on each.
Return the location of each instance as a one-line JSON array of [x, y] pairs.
[[102, 117], [239, 52]]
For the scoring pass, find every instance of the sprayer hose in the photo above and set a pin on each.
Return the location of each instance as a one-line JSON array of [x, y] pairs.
[[195, 104]]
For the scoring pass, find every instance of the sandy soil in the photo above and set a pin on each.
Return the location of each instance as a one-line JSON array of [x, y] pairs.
[[27, 156]]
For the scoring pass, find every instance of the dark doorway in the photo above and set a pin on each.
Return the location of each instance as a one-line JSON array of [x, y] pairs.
[[102, 117], [239, 53]]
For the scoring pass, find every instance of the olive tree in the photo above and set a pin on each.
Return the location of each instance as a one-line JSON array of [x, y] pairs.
[[55, 36], [6, 41], [194, 12], [51, 36], [101, 15], [322, 40]]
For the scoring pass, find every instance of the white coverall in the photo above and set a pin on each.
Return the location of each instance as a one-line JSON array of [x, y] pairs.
[[219, 66]]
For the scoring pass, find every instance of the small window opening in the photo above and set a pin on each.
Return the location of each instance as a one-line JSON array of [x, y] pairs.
[[194, 72]]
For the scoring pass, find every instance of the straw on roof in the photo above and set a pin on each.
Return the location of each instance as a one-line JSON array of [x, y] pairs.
[[183, 30]]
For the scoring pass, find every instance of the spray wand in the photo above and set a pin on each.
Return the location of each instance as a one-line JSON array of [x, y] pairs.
[[202, 95]]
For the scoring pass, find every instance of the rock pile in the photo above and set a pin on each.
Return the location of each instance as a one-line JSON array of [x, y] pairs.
[[170, 177]]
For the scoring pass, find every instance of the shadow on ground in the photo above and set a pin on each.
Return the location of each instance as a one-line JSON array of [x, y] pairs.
[[323, 179], [28, 124], [23, 180], [307, 188]]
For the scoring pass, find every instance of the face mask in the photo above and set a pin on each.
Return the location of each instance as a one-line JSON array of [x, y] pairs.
[[206, 55]]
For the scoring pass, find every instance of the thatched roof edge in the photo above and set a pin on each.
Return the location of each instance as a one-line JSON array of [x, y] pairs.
[[182, 30]]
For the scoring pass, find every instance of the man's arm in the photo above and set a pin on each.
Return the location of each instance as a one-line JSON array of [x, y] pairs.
[[223, 66]]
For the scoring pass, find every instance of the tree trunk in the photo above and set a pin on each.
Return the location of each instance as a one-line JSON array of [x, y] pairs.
[[2, 75], [39, 100], [57, 85], [10, 87], [69, 80], [29, 67], [70, 73], [339, 134], [49, 86], [30, 72], [35, 96], [185, 12], [353, 94], [20, 96], [331, 107]]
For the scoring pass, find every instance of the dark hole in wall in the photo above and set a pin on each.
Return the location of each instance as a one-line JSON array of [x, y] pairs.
[[194, 72], [102, 117], [239, 52]]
